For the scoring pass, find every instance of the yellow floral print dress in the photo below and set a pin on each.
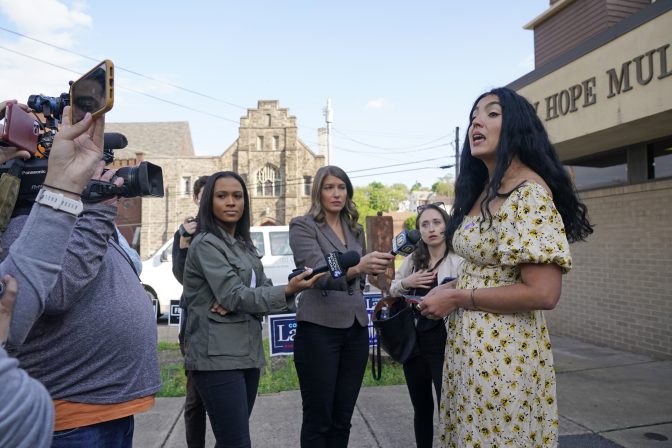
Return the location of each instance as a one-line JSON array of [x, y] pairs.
[[498, 379]]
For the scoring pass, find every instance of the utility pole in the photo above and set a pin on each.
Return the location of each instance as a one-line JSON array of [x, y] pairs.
[[329, 116], [457, 151]]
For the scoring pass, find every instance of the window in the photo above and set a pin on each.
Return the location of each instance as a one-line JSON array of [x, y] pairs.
[[601, 170], [258, 241], [268, 181], [276, 143], [260, 143], [307, 182], [280, 243], [186, 185], [660, 159], [268, 120]]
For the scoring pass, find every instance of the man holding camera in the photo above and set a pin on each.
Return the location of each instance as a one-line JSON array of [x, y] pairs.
[[194, 409], [93, 341], [34, 261]]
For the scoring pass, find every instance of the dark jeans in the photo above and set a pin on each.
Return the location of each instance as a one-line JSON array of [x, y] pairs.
[[330, 363], [113, 434], [420, 372], [194, 415], [229, 397]]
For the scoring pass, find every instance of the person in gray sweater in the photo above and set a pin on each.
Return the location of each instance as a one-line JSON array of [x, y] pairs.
[[93, 341], [30, 270]]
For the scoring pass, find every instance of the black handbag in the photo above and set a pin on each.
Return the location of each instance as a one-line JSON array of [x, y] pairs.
[[396, 334]]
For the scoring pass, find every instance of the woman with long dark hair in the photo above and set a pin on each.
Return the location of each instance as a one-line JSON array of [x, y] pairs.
[[227, 292], [516, 211], [332, 338], [430, 264]]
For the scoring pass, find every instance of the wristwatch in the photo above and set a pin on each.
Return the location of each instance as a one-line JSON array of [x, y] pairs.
[[59, 202]]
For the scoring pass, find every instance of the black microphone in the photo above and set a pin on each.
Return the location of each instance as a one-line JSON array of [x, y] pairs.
[[337, 265], [114, 140], [405, 243]]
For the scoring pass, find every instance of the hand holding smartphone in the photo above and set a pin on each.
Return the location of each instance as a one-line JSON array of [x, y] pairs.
[[21, 129], [93, 92]]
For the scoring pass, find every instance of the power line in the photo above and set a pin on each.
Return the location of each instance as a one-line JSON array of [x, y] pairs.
[[300, 180], [125, 88], [175, 86], [403, 171], [397, 164], [402, 134], [390, 148]]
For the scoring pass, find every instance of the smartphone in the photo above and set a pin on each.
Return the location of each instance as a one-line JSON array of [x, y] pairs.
[[413, 299], [21, 129], [93, 92]]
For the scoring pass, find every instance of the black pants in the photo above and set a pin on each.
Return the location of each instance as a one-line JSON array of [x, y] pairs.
[[420, 372], [330, 363], [229, 397], [194, 415]]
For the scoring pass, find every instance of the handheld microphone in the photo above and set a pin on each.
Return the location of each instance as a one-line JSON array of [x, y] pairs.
[[337, 265], [114, 140], [405, 243]]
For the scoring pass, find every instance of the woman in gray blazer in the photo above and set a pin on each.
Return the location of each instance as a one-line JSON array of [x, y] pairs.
[[227, 292], [332, 338]]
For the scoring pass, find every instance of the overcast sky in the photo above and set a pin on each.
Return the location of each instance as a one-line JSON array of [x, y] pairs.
[[401, 75]]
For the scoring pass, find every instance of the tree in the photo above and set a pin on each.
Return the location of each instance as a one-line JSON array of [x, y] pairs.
[[416, 186], [398, 194], [409, 223], [361, 200], [444, 186], [379, 197]]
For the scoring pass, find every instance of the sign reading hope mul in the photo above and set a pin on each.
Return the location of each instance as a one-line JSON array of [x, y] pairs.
[[654, 65], [282, 328]]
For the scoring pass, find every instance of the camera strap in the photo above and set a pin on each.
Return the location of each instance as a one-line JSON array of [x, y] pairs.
[[114, 243]]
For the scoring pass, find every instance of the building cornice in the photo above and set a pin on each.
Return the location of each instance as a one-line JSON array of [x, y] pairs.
[[623, 27], [550, 12]]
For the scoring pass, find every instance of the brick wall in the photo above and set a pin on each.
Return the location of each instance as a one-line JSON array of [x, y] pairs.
[[162, 216], [619, 292]]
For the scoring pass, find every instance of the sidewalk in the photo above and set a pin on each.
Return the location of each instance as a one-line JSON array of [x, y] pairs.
[[606, 398]]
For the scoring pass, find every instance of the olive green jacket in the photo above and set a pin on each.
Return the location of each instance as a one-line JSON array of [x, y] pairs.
[[222, 270]]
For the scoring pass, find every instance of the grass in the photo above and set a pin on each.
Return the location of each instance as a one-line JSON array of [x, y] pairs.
[[279, 374]]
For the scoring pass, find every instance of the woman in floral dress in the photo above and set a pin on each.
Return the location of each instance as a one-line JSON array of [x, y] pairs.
[[515, 211]]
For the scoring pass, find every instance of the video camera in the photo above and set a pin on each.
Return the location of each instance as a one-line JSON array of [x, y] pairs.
[[91, 93]]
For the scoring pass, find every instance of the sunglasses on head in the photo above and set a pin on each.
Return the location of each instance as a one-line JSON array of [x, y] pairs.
[[421, 208]]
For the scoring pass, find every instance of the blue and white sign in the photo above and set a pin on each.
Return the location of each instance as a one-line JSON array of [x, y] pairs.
[[175, 313], [370, 301], [282, 328], [281, 331]]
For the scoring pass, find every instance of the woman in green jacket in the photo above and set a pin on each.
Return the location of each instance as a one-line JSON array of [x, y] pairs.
[[227, 292]]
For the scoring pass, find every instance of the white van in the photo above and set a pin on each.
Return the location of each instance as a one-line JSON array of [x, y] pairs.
[[272, 243]]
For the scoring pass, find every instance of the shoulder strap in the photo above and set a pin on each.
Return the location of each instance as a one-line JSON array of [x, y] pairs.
[[376, 359], [113, 243]]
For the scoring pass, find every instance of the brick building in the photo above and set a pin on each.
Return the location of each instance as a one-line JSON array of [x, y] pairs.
[[276, 165], [602, 85]]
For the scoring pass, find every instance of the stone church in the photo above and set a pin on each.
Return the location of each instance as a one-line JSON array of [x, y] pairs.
[[278, 169]]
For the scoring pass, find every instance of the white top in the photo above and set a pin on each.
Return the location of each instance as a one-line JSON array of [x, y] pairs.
[[449, 267]]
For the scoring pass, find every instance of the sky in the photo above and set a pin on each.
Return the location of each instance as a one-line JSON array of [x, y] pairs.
[[401, 75]]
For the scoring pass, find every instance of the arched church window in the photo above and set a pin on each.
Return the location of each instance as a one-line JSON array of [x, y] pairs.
[[268, 181]]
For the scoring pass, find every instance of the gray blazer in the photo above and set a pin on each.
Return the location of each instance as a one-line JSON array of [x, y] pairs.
[[334, 303]]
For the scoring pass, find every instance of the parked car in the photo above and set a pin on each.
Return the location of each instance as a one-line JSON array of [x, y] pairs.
[[272, 243]]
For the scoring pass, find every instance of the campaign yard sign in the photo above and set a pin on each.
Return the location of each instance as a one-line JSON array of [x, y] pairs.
[[281, 332], [175, 313], [282, 328]]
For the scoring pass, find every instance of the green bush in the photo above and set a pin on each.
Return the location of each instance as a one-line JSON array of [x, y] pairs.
[[409, 223]]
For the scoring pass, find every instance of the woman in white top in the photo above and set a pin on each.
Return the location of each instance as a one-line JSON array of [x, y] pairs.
[[429, 265]]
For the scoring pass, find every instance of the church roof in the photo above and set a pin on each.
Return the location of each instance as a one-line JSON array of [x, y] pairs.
[[166, 139]]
